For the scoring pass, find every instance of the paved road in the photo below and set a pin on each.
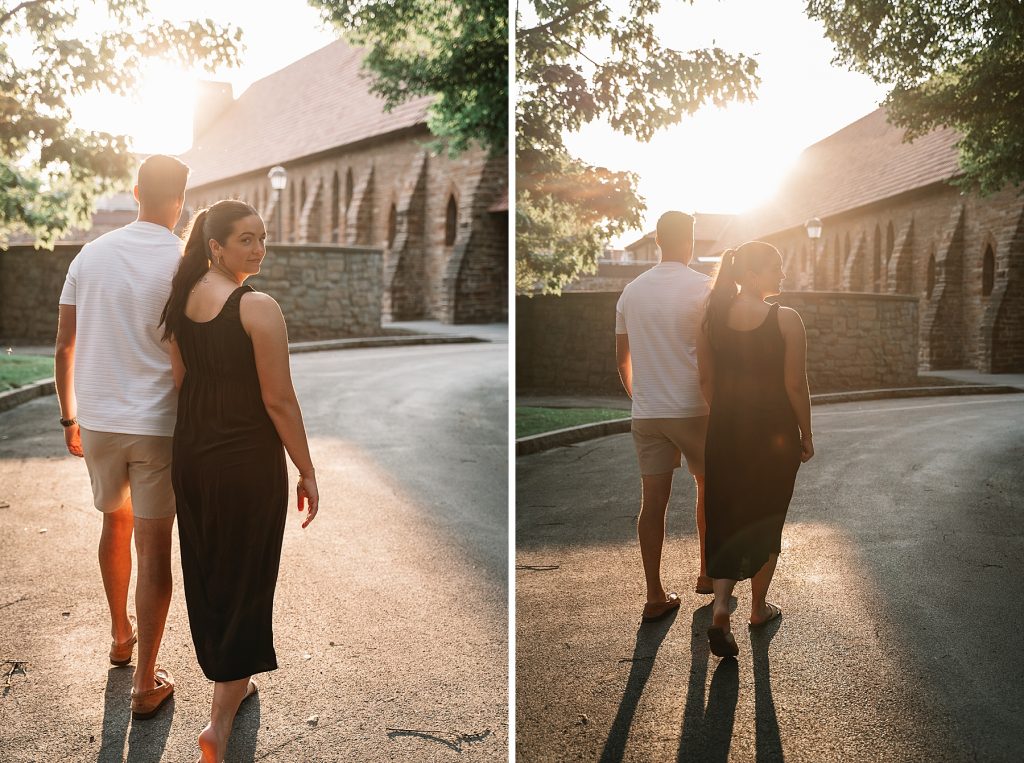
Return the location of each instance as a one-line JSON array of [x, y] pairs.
[[902, 581], [391, 609]]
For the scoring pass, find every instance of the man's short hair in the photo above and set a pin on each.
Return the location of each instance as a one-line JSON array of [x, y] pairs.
[[674, 229], [162, 179]]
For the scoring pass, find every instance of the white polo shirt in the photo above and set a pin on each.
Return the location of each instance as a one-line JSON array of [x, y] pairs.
[[661, 311], [119, 285]]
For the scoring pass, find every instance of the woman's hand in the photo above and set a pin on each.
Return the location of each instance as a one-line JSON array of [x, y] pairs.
[[806, 449], [306, 492]]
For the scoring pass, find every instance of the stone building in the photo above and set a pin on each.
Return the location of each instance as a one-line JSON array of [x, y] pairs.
[[707, 228], [893, 224], [360, 176]]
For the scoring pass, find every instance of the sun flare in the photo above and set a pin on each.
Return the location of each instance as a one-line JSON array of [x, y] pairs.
[[156, 119]]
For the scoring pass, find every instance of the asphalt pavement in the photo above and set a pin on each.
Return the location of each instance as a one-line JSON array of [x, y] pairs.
[[391, 620], [901, 581]]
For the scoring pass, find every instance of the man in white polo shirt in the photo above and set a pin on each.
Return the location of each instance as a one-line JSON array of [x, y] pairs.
[[657, 320], [118, 404]]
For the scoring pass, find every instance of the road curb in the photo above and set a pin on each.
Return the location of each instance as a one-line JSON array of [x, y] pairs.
[[15, 397], [570, 435]]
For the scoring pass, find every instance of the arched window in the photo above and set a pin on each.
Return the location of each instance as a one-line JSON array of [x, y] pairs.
[[930, 276], [451, 221], [890, 242], [876, 261], [291, 212], [837, 264], [349, 189], [392, 225], [335, 209], [988, 271]]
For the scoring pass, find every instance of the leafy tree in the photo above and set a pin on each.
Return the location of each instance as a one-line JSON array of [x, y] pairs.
[[50, 171], [955, 63], [457, 51], [566, 210]]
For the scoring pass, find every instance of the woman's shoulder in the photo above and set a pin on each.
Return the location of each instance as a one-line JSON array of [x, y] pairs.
[[789, 319], [258, 308]]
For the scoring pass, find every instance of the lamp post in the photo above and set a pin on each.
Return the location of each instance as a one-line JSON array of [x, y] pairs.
[[813, 227], [278, 181]]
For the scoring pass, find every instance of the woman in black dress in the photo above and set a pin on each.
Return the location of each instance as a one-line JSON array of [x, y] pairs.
[[236, 408], [752, 368]]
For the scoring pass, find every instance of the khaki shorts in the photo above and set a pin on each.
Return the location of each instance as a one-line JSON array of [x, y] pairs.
[[661, 442], [135, 464]]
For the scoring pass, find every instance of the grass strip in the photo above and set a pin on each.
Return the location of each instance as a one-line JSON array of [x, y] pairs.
[[531, 421], [19, 370]]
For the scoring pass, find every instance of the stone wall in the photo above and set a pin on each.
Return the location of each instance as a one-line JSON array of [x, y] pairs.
[[30, 286], [392, 193], [324, 291], [930, 243], [855, 341]]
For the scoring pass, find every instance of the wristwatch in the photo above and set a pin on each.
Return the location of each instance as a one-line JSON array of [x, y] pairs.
[[68, 422]]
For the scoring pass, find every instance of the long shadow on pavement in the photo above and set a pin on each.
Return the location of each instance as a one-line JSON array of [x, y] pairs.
[[146, 740], [767, 737], [648, 639], [707, 731]]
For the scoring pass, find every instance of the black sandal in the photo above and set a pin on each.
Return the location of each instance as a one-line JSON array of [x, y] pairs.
[[722, 643]]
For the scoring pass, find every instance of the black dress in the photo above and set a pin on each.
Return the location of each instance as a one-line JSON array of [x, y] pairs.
[[752, 451], [231, 487]]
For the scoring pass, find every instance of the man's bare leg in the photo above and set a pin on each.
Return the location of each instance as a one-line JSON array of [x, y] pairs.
[[657, 488], [152, 594], [115, 555]]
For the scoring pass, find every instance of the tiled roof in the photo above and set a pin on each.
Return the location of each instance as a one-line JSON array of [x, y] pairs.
[[864, 162], [317, 103], [707, 227]]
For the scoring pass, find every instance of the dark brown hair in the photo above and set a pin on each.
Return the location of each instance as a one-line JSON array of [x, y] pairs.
[[162, 179], [753, 255], [674, 228], [216, 222]]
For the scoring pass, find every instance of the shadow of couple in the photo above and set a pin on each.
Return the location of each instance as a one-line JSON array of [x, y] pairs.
[[147, 740], [706, 732]]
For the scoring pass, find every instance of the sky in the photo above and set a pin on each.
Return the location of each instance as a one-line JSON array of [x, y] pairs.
[[728, 160], [159, 119]]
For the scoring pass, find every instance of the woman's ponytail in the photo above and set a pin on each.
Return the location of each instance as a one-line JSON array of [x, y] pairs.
[[722, 294], [195, 262]]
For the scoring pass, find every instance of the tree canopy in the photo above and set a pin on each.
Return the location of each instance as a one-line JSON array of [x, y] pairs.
[[578, 62], [457, 51], [51, 172], [954, 63]]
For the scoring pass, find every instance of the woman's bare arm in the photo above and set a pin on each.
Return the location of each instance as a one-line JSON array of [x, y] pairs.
[[795, 372], [177, 364], [705, 365], [262, 319]]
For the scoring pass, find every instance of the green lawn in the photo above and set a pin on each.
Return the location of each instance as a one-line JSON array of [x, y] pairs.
[[530, 421], [18, 370]]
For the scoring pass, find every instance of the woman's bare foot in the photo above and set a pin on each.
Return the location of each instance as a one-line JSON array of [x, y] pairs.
[[767, 612], [720, 614], [212, 745]]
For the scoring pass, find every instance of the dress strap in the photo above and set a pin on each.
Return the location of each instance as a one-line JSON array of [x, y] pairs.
[[234, 300]]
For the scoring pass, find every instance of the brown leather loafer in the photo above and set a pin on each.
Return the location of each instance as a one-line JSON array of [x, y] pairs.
[[121, 654], [146, 704]]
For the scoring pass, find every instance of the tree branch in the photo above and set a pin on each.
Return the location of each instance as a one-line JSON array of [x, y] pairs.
[[28, 3], [558, 19]]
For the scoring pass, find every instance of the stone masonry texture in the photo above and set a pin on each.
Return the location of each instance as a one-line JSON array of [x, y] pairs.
[[324, 291], [392, 193], [566, 344]]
